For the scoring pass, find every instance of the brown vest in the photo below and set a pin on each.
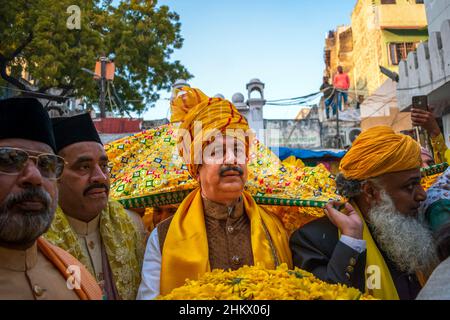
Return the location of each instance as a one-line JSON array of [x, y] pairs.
[[228, 233]]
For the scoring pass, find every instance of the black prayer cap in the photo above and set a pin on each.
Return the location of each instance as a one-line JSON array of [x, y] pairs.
[[70, 130], [25, 118]]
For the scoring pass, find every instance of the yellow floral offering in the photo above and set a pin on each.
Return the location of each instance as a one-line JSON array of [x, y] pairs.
[[257, 283]]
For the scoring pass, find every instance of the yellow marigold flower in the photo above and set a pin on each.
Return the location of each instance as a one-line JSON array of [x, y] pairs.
[[257, 283]]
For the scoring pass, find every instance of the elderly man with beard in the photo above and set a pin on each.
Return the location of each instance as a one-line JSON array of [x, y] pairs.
[[106, 238], [379, 243], [218, 225], [30, 267]]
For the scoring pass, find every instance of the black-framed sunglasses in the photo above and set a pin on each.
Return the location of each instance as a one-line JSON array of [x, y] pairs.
[[13, 161]]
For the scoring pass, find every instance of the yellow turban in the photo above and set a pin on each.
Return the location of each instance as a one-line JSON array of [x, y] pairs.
[[380, 150], [216, 115]]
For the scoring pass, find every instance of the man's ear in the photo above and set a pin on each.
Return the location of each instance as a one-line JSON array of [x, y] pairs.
[[370, 192]]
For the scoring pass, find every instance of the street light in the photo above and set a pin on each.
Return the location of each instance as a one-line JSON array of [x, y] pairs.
[[390, 74]]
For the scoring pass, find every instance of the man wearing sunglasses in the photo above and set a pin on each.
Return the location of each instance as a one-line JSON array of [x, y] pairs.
[[97, 231], [30, 267]]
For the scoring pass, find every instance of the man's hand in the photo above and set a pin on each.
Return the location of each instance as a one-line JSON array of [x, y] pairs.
[[350, 223], [426, 120]]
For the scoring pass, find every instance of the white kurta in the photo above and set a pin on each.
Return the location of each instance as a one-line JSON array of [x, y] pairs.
[[151, 269]]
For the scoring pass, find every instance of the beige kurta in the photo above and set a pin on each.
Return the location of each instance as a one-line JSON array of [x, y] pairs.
[[89, 237], [91, 242], [28, 275]]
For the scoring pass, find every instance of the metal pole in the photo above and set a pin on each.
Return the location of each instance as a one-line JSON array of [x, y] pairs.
[[338, 134], [103, 60]]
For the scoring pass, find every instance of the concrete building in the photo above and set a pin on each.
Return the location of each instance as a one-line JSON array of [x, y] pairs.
[[427, 70], [384, 32], [381, 108], [252, 109], [292, 126], [301, 131], [339, 52]]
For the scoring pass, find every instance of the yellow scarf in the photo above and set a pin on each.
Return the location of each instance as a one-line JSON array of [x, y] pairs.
[[185, 251], [123, 244], [376, 272]]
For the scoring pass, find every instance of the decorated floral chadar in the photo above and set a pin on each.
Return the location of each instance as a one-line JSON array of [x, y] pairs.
[[146, 171]]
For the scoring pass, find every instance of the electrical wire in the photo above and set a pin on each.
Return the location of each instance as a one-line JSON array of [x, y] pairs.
[[43, 95]]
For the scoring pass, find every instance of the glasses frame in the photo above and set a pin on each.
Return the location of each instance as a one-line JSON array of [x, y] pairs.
[[35, 160]]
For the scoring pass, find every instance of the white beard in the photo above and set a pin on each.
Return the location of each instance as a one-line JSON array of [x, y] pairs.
[[406, 241]]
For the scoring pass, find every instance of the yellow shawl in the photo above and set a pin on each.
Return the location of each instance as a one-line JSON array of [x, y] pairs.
[[185, 251], [123, 244], [377, 274]]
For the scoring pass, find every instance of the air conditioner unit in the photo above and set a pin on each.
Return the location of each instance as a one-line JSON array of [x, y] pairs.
[[350, 135]]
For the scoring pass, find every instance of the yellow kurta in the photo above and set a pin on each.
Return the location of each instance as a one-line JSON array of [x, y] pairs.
[[439, 149]]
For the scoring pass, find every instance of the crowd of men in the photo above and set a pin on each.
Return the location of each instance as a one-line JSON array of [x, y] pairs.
[[61, 237]]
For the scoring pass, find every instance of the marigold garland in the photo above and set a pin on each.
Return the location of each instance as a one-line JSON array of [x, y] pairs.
[[257, 283]]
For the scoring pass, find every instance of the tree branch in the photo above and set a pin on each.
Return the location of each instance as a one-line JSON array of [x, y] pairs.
[[15, 82], [22, 46], [43, 89], [4, 63]]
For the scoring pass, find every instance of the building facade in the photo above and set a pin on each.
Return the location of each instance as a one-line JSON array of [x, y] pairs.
[[384, 32], [339, 52], [426, 71]]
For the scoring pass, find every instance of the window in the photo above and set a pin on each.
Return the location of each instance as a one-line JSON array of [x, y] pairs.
[[399, 51], [388, 2], [419, 1]]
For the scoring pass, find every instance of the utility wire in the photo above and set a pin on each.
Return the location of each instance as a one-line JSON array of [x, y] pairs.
[[43, 95]]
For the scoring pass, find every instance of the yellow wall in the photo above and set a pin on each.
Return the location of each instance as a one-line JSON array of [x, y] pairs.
[[405, 14], [370, 21]]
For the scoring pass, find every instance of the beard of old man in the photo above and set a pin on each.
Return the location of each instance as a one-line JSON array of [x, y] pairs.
[[406, 240]]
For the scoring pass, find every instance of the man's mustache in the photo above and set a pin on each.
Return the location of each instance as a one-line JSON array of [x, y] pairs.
[[96, 186], [224, 170], [30, 194]]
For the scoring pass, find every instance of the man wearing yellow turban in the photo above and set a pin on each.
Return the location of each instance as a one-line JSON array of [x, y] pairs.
[[219, 225], [379, 245]]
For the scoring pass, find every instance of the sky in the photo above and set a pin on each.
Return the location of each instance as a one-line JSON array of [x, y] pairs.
[[229, 42]]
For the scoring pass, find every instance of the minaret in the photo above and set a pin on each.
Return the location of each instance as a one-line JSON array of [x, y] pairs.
[[255, 105], [179, 84], [238, 100]]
